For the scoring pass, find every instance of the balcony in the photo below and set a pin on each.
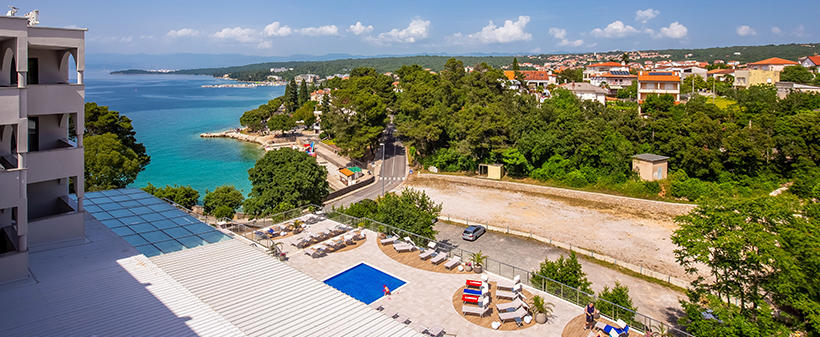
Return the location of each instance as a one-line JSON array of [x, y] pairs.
[[55, 164], [10, 180], [46, 99], [63, 222], [9, 105], [14, 265]]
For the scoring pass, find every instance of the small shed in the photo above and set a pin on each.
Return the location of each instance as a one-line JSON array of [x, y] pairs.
[[348, 176], [493, 171], [650, 167]]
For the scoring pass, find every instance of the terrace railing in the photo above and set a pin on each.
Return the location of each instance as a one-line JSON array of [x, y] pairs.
[[570, 294]]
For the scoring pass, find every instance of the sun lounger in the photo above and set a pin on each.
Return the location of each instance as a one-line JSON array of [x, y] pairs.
[[507, 316], [509, 285], [453, 262], [402, 319], [439, 258], [473, 292], [403, 247], [507, 294], [511, 306], [435, 331], [389, 241], [427, 254], [348, 239], [474, 283], [481, 311], [470, 298]]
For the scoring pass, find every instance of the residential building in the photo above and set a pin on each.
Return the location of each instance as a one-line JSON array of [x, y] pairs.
[[650, 167], [811, 62], [785, 88], [601, 68], [616, 79], [308, 78], [534, 78], [720, 74], [771, 64], [761, 72], [40, 161], [658, 83], [586, 91]]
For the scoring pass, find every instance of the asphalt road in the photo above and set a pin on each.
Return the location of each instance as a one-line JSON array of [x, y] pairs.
[[392, 173], [651, 299]]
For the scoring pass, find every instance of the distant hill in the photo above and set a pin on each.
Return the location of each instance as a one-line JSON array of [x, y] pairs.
[[330, 64]]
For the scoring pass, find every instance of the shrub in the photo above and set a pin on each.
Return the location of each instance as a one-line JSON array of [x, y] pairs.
[[691, 189], [576, 179], [223, 211], [652, 187]]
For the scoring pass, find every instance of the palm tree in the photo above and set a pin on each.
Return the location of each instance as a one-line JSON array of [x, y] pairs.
[[661, 330], [541, 308]]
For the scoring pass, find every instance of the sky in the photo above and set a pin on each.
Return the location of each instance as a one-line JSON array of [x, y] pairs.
[[282, 28]]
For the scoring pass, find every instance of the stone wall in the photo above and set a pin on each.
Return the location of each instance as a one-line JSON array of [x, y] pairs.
[[648, 206]]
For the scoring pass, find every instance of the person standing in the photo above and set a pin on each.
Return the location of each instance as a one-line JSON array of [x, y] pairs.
[[589, 312]]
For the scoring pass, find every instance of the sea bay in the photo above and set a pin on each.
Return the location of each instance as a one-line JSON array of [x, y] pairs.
[[169, 112]]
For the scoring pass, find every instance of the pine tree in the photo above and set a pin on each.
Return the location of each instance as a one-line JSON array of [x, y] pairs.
[[291, 97], [516, 70], [303, 94]]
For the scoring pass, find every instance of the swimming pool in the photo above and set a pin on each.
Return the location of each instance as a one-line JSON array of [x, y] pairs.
[[364, 282]]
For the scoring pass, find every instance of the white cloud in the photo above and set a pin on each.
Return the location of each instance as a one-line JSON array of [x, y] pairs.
[[331, 30], [183, 32], [800, 31], [265, 45], [745, 31], [509, 32], [616, 29], [558, 33], [417, 30], [360, 29], [674, 31], [276, 29], [237, 33], [776, 30], [646, 15], [576, 43]]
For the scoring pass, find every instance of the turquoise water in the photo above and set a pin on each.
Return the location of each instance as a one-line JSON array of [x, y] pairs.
[[170, 111]]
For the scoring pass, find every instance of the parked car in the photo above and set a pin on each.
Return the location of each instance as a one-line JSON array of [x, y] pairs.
[[472, 233]]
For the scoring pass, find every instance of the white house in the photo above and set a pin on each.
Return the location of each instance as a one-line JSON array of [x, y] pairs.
[[586, 91]]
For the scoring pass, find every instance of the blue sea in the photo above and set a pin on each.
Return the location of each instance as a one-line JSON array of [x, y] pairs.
[[169, 112]]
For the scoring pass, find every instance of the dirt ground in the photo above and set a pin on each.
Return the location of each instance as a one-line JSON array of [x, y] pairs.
[[628, 235]]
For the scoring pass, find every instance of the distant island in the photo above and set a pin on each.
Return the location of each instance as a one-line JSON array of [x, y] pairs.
[[285, 70]]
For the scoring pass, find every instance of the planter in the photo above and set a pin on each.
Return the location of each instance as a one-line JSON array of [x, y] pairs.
[[282, 257], [540, 318], [478, 269], [468, 267]]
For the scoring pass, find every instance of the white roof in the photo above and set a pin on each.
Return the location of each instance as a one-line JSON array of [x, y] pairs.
[[105, 287]]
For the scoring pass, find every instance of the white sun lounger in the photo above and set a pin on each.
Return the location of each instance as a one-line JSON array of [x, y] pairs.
[[427, 254], [518, 313], [509, 285], [466, 309], [506, 294], [453, 262], [403, 247], [314, 253], [389, 241], [512, 305], [439, 258]]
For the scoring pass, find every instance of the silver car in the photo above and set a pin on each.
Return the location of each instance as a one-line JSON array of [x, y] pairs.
[[472, 233]]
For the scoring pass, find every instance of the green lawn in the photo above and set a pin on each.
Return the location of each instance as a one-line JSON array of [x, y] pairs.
[[722, 102]]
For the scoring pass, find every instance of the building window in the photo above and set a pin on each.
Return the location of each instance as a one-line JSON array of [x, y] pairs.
[[33, 76], [13, 73], [33, 134]]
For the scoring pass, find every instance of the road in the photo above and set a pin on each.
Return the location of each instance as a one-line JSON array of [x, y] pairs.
[[653, 300], [390, 174]]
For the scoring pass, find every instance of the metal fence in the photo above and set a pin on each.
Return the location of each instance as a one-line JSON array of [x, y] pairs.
[[547, 285]]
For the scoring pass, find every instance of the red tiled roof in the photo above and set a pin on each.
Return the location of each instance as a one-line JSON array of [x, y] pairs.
[[773, 60], [815, 60], [529, 75], [606, 64], [721, 71], [658, 78]]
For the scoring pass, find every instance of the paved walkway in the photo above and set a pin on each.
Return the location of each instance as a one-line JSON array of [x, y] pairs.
[[654, 300], [427, 297]]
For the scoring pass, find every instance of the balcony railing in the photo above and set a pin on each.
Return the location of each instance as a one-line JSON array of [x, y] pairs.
[[46, 99], [41, 164]]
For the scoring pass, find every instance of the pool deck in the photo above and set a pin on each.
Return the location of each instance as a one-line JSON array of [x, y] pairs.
[[427, 297]]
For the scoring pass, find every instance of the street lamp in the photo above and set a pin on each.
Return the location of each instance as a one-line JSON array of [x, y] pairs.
[[381, 169]]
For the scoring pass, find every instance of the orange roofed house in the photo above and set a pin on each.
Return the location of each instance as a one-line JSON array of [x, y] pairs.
[[761, 72], [534, 78], [811, 62], [658, 83]]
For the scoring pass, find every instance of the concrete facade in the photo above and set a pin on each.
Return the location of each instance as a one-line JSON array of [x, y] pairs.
[[650, 167], [586, 91], [658, 83], [749, 77], [40, 161]]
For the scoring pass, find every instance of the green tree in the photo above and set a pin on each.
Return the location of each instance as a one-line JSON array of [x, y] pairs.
[[797, 74], [108, 163], [281, 122], [625, 58], [564, 270], [571, 75], [255, 119], [291, 96], [618, 295], [223, 196], [412, 210], [304, 95], [517, 72], [305, 113], [223, 211], [283, 179], [184, 196], [630, 91], [367, 208], [99, 120], [686, 87]]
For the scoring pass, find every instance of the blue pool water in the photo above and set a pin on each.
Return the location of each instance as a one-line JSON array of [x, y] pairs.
[[364, 283]]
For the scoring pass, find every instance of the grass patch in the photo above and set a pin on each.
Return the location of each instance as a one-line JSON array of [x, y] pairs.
[[329, 141], [722, 102]]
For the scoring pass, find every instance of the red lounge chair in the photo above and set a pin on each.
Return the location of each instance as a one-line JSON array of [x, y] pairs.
[[474, 283], [470, 299]]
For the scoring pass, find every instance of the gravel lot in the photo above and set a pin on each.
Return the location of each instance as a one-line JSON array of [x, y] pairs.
[[628, 235]]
